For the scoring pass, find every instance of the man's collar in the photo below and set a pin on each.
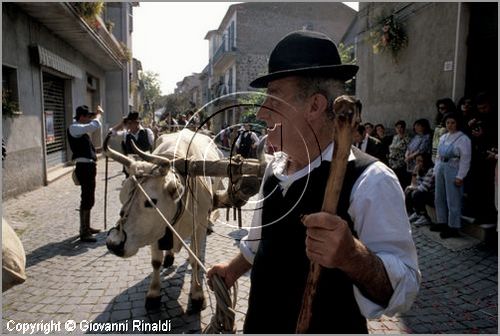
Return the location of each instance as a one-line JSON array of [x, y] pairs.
[[280, 163]]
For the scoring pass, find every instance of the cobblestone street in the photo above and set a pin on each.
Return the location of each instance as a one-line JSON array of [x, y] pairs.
[[70, 280]]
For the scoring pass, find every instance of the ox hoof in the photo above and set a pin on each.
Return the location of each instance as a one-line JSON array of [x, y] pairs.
[[197, 305], [168, 261], [153, 303]]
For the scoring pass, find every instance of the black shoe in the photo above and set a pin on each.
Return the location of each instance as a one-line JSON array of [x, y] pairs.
[[438, 227], [450, 233], [93, 231], [88, 238]]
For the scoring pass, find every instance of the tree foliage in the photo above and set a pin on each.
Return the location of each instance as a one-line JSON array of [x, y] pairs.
[[174, 104], [249, 114], [152, 90]]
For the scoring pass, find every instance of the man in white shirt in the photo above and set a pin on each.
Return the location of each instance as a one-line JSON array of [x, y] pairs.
[[84, 154], [367, 253]]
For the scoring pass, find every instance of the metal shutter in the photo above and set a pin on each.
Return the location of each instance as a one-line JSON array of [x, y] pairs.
[[53, 100]]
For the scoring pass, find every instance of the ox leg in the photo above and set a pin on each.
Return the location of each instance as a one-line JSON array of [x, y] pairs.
[[153, 298], [169, 259], [196, 293]]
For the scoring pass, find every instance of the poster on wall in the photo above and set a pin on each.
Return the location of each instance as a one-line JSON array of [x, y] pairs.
[[49, 126]]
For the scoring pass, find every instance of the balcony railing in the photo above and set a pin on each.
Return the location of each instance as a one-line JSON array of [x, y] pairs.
[[223, 48]]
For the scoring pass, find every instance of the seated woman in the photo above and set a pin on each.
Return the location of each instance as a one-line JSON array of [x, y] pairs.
[[421, 191], [420, 143]]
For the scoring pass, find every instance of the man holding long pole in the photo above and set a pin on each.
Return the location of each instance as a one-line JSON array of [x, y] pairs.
[[367, 256]]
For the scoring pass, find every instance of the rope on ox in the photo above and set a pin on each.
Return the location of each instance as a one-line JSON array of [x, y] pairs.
[[223, 320]]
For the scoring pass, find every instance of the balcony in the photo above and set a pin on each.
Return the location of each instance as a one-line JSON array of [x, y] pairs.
[[223, 57], [96, 43]]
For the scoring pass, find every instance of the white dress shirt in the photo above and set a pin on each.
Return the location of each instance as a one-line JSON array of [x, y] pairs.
[[77, 129], [378, 211], [124, 133]]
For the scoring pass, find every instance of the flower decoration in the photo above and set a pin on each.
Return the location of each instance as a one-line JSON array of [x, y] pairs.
[[10, 107], [388, 34]]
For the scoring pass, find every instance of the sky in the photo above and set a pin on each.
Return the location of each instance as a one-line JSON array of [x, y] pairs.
[[169, 37]]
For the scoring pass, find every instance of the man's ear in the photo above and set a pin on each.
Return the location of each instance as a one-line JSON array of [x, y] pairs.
[[318, 106]]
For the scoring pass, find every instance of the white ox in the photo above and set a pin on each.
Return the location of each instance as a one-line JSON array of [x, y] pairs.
[[186, 201]]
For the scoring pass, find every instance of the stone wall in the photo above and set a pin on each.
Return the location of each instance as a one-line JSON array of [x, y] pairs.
[[407, 88]]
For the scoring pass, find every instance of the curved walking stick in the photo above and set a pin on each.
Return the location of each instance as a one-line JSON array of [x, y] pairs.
[[346, 118]]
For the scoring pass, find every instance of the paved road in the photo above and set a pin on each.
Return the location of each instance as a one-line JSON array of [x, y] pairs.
[[70, 280]]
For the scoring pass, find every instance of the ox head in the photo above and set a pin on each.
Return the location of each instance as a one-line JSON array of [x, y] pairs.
[[140, 224]]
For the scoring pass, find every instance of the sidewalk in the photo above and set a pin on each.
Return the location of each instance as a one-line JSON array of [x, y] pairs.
[[69, 280]]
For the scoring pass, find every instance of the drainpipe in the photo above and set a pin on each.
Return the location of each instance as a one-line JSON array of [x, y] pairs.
[[457, 37], [44, 144]]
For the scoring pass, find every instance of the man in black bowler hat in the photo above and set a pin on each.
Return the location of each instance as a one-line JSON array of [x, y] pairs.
[[84, 154], [367, 253], [132, 131]]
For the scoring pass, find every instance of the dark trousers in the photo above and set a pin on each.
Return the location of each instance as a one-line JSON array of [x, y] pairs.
[[416, 200], [404, 177], [420, 199], [86, 173]]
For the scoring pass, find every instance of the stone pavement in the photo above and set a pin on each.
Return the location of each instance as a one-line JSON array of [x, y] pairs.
[[70, 280]]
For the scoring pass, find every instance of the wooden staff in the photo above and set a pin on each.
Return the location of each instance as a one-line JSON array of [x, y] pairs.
[[346, 118], [105, 192]]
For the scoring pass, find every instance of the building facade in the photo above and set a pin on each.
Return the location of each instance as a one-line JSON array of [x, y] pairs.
[[451, 51], [55, 58], [239, 48]]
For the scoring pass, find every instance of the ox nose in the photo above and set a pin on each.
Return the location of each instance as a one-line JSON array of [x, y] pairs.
[[116, 247]]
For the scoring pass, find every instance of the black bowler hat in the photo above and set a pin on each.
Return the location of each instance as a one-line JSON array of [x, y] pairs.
[[132, 116], [82, 110], [305, 53]]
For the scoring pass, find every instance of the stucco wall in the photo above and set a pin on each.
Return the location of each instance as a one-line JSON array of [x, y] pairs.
[[24, 167], [261, 25], [408, 88]]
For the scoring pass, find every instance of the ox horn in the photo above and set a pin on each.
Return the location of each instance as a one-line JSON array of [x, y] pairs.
[[156, 159], [117, 156]]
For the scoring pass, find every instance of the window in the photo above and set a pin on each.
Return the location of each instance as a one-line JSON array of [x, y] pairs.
[[230, 81], [10, 96], [231, 37]]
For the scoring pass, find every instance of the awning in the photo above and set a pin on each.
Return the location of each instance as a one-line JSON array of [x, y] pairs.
[[49, 59]]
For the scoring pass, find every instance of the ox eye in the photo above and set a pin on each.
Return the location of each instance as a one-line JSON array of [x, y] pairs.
[[149, 205]]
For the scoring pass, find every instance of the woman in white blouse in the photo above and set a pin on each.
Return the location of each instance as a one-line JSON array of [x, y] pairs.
[[452, 165]]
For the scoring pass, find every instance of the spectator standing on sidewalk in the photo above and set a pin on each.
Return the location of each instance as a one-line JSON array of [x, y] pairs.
[[397, 151], [443, 106], [452, 165], [484, 138], [84, 154], [386, 141], [368, 256], [368, 144]]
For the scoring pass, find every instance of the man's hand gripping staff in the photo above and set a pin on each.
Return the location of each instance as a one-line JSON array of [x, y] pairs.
[[346, 118]]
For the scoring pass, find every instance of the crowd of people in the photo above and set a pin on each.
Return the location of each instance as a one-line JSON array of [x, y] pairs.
[[450, 167]]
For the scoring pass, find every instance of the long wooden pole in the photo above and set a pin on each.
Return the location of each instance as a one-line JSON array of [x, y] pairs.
[[346, 117], [105, 192]]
